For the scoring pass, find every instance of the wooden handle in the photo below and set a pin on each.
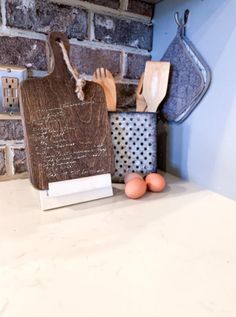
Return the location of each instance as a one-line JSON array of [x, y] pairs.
[[141, 104], [58, 69]]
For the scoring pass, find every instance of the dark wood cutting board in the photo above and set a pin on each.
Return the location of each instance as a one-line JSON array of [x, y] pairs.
[[65, 138]]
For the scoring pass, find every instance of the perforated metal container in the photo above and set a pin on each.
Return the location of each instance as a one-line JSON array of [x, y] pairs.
[[134, 137]]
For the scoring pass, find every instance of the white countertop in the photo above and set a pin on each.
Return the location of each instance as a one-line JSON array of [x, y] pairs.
[[166, 255]]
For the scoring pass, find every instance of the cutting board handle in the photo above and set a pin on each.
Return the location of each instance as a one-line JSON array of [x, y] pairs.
[[56, 64]]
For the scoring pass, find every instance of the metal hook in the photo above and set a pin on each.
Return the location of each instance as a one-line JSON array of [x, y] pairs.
[[179, 22]]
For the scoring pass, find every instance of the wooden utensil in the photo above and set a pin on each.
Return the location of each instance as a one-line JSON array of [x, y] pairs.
[[104, 78], [66, 138], [141, 104], [155, 83]]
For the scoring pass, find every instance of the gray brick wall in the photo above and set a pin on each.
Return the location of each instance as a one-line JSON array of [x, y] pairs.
[[116, 34]]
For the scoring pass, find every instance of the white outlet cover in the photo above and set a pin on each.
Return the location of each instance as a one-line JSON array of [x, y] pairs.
[[11, 71]]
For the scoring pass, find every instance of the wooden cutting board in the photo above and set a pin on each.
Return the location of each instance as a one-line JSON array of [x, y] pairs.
[[65, 138]]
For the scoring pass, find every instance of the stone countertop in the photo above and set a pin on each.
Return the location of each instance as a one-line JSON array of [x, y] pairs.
[[168, 254]]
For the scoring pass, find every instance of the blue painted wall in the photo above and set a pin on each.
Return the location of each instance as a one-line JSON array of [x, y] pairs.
[[203, 148]]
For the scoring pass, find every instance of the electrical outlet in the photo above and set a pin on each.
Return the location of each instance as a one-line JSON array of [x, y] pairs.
[[10, 96], [11, 76]]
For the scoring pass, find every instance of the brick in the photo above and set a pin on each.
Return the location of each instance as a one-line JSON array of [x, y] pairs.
[[126, 96], [11, 130], [23, 52], [114, 4], [19, 160], [45, 16], [2, 161], [141, 7], [87, 60], [126, 32], [135, 65]]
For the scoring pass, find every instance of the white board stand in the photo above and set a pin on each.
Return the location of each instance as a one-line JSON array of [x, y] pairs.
[[75, 191]]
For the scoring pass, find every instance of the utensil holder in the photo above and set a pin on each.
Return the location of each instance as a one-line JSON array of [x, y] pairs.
[[134, 137]]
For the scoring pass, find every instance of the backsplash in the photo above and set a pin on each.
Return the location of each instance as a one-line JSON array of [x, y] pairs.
[[103, 33]]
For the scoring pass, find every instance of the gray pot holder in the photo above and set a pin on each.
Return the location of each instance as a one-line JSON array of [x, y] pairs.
[[190, 78]]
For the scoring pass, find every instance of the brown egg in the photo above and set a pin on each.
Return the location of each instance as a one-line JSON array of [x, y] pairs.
[[135, 188], [130, 176], [155, 182]]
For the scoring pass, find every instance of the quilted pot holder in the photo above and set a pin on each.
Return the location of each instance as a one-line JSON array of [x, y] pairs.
[[190, 78]]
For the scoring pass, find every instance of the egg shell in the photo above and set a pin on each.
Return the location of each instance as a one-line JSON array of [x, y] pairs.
[[131, 176], [135, 188], [155, 182]]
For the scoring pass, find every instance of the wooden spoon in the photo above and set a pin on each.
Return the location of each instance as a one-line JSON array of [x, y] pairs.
[[141, 104], [155, 83], [104, 78]]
